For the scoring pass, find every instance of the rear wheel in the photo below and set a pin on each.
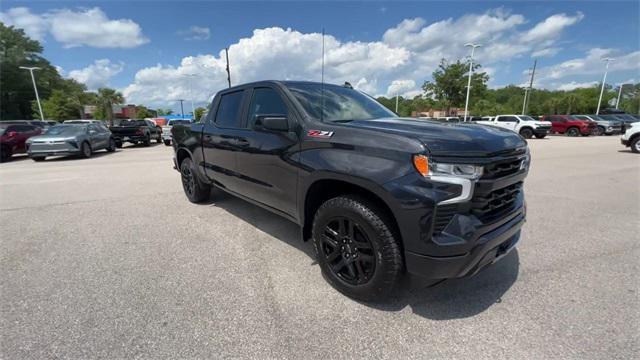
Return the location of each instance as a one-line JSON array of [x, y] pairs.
[[356, 248], [38, 158], [600, 130], [167, 142], [573, 132], [5, 154], [112, 145], [195, 190], [119, 144], [147, 141], [85, 150], [526, 133], [159, 139]]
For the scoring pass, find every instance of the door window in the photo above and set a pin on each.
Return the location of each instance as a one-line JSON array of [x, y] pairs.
[[229, 109], [507, 119], [266, 101]]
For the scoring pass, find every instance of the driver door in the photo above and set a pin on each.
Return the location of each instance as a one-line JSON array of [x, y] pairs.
[[508, 122]]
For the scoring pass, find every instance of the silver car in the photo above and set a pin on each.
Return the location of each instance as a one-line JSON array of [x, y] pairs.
[[605, 126], [71, 139]]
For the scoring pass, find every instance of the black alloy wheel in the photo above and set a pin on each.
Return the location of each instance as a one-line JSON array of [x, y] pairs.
[[526, 133], [196, 191], [573, 132], [348, 251]]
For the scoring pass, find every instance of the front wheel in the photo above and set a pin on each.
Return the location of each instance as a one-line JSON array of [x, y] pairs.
[[526, 133], [5, 154], [540, 136], [38, 158], [599, 131], [635, 145], [112, 145], [356, 247], [573, 132], [147, 141], [195, 190], [85, 150]]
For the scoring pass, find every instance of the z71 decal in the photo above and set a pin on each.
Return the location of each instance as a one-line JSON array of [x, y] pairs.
[[320, 134]]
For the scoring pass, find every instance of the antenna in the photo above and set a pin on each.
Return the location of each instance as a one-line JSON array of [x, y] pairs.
[[322, 79], [226, 51]]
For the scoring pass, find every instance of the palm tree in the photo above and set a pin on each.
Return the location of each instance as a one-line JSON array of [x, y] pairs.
[[106, 99]]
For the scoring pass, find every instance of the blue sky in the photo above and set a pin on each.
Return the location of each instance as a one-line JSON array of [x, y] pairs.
[[145, 48]]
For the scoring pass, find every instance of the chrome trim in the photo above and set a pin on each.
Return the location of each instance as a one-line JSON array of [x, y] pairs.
[[467, 188]]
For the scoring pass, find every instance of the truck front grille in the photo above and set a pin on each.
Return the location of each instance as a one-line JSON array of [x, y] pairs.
[[502, 168], [495, 203]]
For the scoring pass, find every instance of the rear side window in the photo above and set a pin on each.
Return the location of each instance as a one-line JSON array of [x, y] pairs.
[[266, 101], [507, 118], [229, 109]]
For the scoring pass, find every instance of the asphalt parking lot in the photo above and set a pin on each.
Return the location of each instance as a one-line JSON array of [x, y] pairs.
[[106, 258]]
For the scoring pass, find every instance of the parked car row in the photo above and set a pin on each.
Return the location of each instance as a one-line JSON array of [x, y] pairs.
[[72, 137]]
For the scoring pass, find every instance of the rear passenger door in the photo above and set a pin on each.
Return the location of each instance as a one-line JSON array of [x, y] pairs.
[[266, 171], [507, 122], [220, 139]]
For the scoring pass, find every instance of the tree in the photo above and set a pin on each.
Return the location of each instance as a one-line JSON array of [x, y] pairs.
[[165, 112], [199, 111], [143, 112], [450, 82], [106, 99], [59, 106]]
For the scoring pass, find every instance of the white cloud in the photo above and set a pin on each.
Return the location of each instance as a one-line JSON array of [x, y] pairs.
[[551, 27], [546, 52], [97, 74], [401, 87], [84, 27], [21, 17], [196, 33], [575, 85]]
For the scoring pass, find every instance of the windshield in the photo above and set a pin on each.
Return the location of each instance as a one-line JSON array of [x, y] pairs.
[[179, 122], [338, 103], [65, 130], [526, 118]]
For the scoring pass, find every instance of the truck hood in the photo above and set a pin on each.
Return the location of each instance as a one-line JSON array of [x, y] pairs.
[[449, 139]]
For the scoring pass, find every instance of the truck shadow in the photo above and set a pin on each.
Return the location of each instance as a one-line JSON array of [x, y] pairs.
[[451, 299]]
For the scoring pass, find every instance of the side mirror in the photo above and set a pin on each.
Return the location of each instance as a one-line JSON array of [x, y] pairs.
[[12, 134], [273, 122]]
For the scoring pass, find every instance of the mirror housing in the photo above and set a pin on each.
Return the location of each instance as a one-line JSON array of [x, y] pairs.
[[275, 122]]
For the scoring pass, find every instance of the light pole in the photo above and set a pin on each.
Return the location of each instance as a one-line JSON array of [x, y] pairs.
[[35, 88], [193, 111], [604, 79], [524, 103], [397, 97], [619, 95], [181, 108], [466, 104]]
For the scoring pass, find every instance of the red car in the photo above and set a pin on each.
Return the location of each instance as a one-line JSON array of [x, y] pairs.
[[570, 125], [13, 137]]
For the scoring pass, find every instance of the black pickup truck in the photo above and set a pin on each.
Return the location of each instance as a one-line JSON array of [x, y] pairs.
[[136, 131], [377, 194]]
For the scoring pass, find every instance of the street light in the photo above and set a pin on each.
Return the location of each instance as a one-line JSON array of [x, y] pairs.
[[181, 107], [604, 79], [35, 88], [193, 111], [466, 104], [619, 95]]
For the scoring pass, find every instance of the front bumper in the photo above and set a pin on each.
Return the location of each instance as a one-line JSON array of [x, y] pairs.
[[57, 148], [542, 130], [38, 153]]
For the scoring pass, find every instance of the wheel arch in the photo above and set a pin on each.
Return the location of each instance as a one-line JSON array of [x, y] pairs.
[[323, 189]]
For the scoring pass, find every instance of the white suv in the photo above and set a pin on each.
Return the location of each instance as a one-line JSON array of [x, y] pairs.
[[524, 125], [631, 137]]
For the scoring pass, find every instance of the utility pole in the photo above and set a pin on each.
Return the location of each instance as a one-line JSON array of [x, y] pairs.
[[193, 111], [619, 95], [35, 88], [524, 103], [527, 95], [226, 51], [466, 104], [604, 80], [181, 108], [397, 97]]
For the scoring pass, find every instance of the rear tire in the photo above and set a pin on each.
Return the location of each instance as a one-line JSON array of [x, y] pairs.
[[167, 142], [195, 190], [118, 144], [356, 248], [147, 141], [526, 133], [5, 154], [159, 139], [600, 130], [85, 150], [38, 158]]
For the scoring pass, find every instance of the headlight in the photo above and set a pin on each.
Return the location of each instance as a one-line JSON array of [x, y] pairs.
[[527, 160], [428, 167]]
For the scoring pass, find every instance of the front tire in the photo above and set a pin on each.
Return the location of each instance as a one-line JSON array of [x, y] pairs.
[[38, 158], [600, 131], [112, 145], [147, 141], [635, 145], [85, 150], [356, 247], [195, 190], [159, 139], [5, 154], [540, 136], [573, 132], [526, 133], [167, 142]]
